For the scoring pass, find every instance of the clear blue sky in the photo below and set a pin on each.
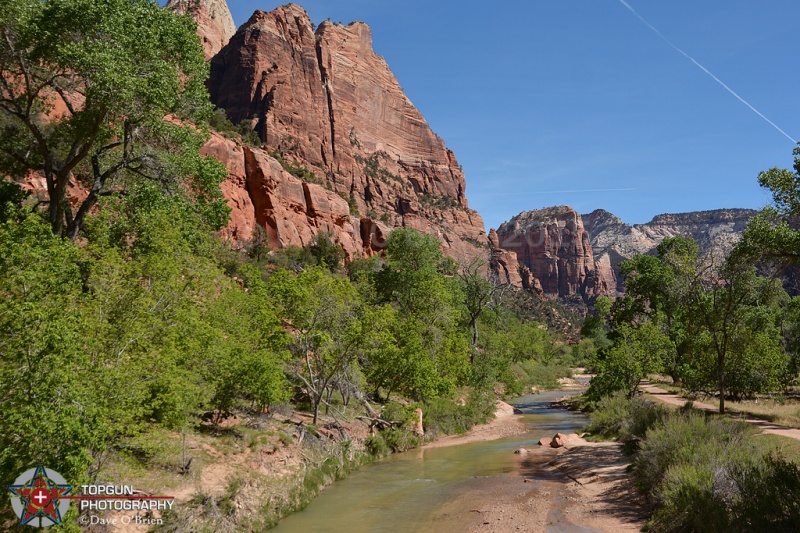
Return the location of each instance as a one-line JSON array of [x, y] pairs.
[[538, 97]]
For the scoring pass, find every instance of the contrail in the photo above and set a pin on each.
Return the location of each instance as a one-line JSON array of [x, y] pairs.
[[528, 193], [704, 69]]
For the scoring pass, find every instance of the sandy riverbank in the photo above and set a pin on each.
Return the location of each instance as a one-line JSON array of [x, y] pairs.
[[505, 424], [583, 487]]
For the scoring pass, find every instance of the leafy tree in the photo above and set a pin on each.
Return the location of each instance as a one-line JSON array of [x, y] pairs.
[[326, 252], [660, 289], [84, 90], [395, 358], [11, 196], [732, 305], [479, 293], [47, 413], [411, 277], [323, 310], [413, 280], [637, 352]]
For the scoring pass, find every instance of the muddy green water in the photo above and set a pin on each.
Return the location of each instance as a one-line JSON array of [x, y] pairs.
[[407, 491]]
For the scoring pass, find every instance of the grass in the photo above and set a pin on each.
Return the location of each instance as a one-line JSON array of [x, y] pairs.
[[783, 412], [786, 447], [776, 409]]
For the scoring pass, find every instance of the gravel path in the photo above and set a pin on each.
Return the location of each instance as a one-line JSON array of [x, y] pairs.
[[673, 399]]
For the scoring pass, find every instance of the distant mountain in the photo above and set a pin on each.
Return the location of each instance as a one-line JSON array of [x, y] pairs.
[[613, 241], [563, 254], [553, 245]]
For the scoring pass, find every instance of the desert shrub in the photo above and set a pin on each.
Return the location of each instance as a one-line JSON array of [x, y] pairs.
[[772, 499], [702, 472], [728, 486], [445, 416], [693, 466], [544, 376], [687, 437], [628, 420]]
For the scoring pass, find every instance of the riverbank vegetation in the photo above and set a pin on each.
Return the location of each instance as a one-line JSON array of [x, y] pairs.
[[132, 339], [716, 325], [701, 471], [151, 324]]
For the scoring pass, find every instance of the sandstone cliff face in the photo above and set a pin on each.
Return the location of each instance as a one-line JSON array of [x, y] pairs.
[[504, 264], [554, 245], [326, 102], [260, 192], [214, 21], [613, 241]]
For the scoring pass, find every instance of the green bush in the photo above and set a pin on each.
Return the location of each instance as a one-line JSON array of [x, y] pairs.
[[445, 416], [689, 438], [773, 496], [395, 412], [626, 419], [376, 446]]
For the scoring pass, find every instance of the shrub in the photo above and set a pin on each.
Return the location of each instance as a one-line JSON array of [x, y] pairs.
[[773, 496], [395, 412], [445, 416], [376, 446], [628, 420], [543, 376], [689, 438]]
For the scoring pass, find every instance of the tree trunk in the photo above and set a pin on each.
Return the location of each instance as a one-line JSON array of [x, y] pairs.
[[317, 401], [721, 373]]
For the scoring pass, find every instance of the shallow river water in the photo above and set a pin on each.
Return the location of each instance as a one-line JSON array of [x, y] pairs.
[[408, 491]]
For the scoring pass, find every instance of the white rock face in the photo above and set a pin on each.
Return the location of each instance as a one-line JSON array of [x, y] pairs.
[[613, 241], [215, 24]]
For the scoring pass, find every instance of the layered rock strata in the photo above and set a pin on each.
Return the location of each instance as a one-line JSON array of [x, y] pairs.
[[614, 241], [215, 24], [554, 246], [326, 104]]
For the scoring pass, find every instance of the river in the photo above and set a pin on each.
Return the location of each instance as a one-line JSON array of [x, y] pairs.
[[421, 490]]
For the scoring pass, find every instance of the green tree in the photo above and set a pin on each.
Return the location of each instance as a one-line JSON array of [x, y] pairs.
[[479, 293], [732, 303], [85, 87], [660, 289], [47, 413], [324, 311], [414, 280], [396, 360], [637, 352]]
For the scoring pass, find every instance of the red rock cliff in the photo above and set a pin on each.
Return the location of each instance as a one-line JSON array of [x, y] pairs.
[[554, 245], [328, 103]]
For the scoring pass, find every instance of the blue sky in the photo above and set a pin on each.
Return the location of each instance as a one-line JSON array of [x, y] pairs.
[[578, 102]]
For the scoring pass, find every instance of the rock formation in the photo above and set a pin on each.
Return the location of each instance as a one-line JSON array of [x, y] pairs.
[[505, 266], [214, 22], [327, 105], [291, 212], [553, 244], [614, 241]]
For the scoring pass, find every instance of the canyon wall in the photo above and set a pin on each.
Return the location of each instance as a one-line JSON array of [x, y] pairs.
[[215, 24], [327, 108], [554, 246]]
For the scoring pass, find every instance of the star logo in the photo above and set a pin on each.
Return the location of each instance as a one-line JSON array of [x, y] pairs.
[[38, 497]]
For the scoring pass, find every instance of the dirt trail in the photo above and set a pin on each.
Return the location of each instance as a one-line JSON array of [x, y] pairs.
[[673, 399]]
